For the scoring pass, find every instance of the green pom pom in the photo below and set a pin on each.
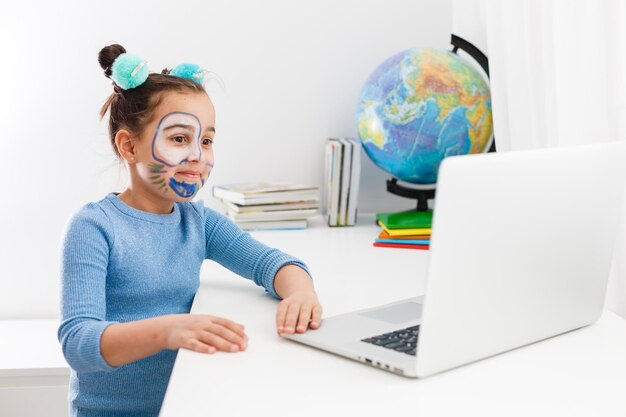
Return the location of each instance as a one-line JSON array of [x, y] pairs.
[[191, 71], [129, 71]]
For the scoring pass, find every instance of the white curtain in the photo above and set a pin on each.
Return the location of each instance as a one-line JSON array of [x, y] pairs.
[[558, 77]]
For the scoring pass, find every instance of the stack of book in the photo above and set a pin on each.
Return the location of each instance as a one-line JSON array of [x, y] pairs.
[[341, 182], [407, 229], [269, 205]]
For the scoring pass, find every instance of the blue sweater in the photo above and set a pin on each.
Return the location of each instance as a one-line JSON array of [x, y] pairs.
[[120, 264]]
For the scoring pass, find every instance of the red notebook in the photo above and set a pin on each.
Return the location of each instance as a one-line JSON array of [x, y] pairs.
[[400, 245]]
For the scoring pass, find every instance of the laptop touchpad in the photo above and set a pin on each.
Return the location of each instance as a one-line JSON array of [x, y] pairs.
[[396, 314]]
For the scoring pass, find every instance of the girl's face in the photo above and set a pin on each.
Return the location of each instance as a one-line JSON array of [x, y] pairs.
[[175, 150]]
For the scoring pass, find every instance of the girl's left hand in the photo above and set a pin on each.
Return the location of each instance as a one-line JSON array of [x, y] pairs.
[[299, 311]]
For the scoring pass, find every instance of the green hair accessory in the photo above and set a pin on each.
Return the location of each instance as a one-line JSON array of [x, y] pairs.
[[129, 71], [191, 71]]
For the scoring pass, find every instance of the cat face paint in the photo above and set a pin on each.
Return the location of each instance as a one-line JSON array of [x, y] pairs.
[[182, 154]]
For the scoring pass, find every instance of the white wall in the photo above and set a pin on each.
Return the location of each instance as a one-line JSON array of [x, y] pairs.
[[292, 72]]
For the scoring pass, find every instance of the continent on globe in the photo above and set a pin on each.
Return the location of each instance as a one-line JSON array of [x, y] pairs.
[[420, 106]]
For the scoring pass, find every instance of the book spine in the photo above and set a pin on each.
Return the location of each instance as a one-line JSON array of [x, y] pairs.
[[272, 215], [328, 174], [273, 225], [336, 184], [390, 245], [223, 194], [219, 192], [355, 181], [230, 206], [346, 165]]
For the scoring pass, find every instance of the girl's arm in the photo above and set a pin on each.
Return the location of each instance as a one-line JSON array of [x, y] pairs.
[[300, 307], [92, 343], [282, 275], [85, 257], [238, 251], [123, 343]]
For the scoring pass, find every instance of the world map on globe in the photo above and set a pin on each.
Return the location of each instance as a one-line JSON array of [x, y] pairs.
[[420, 106]]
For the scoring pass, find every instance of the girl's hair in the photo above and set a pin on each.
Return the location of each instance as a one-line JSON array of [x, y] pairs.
[[132, 109]]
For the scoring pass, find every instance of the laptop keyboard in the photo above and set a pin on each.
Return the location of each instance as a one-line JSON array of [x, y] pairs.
[[403, 340]]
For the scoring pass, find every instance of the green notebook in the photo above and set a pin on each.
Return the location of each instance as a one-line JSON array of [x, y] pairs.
[[407, 219]]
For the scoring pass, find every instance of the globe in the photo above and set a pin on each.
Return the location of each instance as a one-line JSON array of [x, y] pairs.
[[420, 106]]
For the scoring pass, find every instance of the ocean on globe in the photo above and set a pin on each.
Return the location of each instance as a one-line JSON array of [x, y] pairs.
[[420, 106]]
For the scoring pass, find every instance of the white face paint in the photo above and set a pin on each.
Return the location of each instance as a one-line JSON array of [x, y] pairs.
[[177, 139], [179, 143]]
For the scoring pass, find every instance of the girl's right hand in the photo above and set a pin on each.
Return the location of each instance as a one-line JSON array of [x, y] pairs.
[[203, 333]]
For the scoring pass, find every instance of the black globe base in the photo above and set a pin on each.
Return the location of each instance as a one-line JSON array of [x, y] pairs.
[[422, 196]]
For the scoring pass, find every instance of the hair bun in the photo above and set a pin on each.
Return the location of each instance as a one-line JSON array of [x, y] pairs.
[[108, 55]]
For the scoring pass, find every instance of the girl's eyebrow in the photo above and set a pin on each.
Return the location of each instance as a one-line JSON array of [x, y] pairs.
[[188, 127], [184, 126]]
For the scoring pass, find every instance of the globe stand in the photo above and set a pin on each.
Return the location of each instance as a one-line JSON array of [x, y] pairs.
[[482, 60], [422, 196]]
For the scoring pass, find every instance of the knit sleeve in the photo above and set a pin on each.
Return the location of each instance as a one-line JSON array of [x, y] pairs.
[[236, 250], [84, 260]]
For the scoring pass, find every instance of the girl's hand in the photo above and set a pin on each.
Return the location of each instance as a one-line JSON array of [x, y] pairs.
[[299, 311], [203, 333]]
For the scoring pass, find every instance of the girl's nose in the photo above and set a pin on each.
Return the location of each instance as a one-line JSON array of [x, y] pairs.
[[195, 153]]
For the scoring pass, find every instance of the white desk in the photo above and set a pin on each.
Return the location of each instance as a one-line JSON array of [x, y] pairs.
[[33, 373], [582, 373]]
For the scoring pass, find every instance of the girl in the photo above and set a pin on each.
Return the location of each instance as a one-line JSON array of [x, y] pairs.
[[131, 261]]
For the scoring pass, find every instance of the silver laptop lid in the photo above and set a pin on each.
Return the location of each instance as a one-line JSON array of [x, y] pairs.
[[521, 249]]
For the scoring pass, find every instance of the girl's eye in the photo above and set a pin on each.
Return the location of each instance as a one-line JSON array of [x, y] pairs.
[[206, 142], [179, 139]]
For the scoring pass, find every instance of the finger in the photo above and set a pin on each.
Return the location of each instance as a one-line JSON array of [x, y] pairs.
[[316, 319], [291, 318], [218, 342], [235, 327], [228, 335], [304, 319], [281, 313], [198, 346]]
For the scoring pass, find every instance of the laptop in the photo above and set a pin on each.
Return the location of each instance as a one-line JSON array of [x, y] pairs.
[[521, 251]]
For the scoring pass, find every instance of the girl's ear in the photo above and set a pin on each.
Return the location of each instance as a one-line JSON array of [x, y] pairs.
[[125, 144]]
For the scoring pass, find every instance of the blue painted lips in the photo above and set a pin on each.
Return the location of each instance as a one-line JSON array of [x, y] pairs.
[[183, 189]]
